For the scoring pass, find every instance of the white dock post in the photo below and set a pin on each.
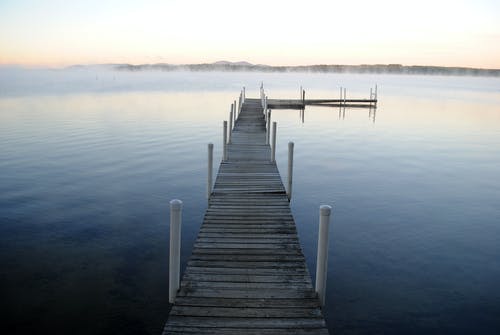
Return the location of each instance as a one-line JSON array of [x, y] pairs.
[[230, 124], [210, 169], [268, 128], [322, 260], [273, 146], [290, 170], [235, 113], [175, 249], [239, 104], [224, 141]]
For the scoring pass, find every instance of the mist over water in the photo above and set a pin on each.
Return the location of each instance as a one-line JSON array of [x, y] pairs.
[[89, 159]]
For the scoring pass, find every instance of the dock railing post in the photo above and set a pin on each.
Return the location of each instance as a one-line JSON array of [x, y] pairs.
[[224, 141], [175, 248], [235, 112], [210, 169], [273, 145], [239, 104], [290, 170], [268, 128], [322, 260], [230, 124]]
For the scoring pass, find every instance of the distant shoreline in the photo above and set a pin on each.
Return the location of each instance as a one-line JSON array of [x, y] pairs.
[[362, 69]]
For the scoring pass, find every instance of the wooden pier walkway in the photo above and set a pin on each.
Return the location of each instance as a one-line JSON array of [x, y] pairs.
[[247, 273], [300, 104]]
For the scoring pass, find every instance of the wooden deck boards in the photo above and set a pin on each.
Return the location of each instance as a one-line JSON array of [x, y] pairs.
[[247, 273]]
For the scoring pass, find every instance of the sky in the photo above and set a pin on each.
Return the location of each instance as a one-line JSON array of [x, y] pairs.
[[57, 33]]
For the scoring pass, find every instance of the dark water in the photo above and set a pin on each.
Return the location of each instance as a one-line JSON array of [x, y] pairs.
[[89, 161]]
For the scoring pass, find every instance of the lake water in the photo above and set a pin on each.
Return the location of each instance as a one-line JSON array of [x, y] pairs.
[[89, 160]]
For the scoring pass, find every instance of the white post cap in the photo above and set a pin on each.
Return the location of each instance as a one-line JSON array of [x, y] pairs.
[[325, 210], [176, 205]]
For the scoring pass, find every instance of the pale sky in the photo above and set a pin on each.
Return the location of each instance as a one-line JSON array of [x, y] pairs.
[[420, 32]]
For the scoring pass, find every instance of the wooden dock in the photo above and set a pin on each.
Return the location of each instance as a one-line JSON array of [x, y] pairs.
[[247, 273], [300, 104]]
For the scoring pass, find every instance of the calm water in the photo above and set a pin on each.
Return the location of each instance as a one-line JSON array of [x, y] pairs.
[[90, 159]]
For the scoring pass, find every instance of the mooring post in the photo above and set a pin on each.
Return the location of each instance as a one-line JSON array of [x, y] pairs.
[[224, 141], [273, 146], [290, 170], [322, 260], [230, 124], [210, 169], [268, 128], [175, 248], [235, 113], [239, 104]]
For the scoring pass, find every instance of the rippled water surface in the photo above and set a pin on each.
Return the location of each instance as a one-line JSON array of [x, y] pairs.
[[90, 159]]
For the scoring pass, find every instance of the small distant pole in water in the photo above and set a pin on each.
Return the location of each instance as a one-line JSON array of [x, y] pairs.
[[322, 260], [304, 98], [300, 93], [340, 100], [210, 169], [244, 93], [273, 144], [224, 141], [376, 96], [175, 248]]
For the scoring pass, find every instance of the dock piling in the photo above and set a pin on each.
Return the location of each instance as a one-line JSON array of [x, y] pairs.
[[268, 127], [231, 115], [175, 248], [290, 170], [322, 260], [273, 144], [224, 141], [210, 169]]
